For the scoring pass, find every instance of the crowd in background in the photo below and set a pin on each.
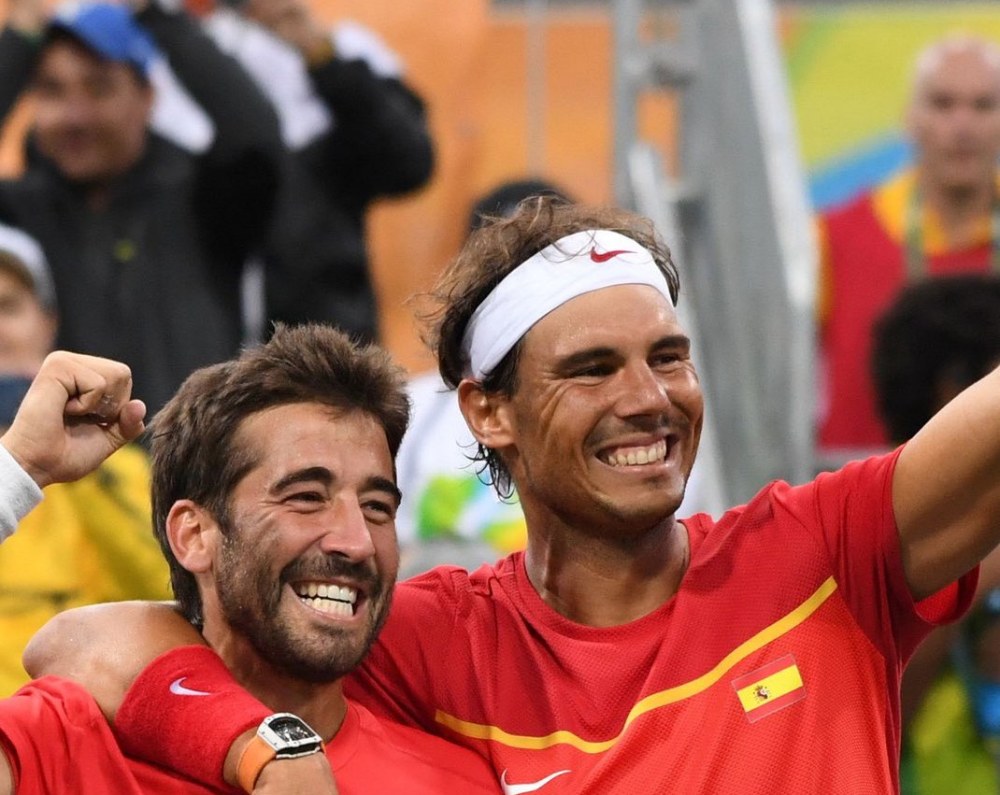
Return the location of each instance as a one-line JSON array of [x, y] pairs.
[[191, 179]]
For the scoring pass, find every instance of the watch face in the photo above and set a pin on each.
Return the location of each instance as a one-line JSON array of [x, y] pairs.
[[289, 736], [291, 729]]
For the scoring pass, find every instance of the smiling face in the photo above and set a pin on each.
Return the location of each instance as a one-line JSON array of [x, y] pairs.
[[305, 572], [954, 116], [90, 114], [603, 427]]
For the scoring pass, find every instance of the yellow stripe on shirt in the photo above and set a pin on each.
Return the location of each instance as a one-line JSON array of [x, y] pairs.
[[782, 626]]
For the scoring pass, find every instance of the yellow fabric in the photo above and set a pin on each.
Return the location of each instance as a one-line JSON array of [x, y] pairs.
[[89, 541], [891, 204], [770, 688]]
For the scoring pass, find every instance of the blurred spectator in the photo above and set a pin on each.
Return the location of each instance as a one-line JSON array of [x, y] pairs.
[[942, 216], [939, 336], [355, 131], [89, 541], [146, 242]]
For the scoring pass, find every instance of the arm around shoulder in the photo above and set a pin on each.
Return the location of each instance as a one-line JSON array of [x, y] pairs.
[[105, 647]]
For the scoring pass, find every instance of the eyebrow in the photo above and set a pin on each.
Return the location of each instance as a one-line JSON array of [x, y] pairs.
[[673, 341], [325, 476], [318, 474], [379, 483]]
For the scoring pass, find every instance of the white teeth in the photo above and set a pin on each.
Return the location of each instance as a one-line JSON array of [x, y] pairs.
[[330, 606], [652, 454], [328, 598]]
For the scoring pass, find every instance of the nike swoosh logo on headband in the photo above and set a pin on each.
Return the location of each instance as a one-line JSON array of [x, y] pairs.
[[606, 255]]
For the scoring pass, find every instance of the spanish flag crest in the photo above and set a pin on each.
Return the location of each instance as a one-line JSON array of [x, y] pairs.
[[771, 688]]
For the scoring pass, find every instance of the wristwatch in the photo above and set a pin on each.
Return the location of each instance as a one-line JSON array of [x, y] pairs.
[[279, 736]]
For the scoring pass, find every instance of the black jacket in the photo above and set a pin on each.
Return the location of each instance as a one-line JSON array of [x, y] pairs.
[[152, 278], [317, 263]]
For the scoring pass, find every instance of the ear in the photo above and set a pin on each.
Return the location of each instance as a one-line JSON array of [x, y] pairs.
[[193, 535], [487, 415]]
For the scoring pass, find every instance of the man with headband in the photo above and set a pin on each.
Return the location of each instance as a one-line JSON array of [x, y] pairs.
[[626, 651]]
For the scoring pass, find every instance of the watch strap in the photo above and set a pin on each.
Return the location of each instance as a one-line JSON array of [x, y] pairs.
[[254, 756]]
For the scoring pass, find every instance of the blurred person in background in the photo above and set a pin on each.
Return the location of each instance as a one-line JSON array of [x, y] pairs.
[[355, 131], [941, 216], [146, 241], [939, 336], [89, 541]]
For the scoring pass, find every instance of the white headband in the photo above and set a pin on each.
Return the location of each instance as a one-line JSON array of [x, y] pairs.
[[573, 265]]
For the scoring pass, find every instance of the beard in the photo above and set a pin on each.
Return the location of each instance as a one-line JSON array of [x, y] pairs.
[[251, 603]]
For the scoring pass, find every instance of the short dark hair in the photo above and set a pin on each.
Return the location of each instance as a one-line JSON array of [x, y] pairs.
[[502, 200], [940, 330], [193, 442], [489, 254]]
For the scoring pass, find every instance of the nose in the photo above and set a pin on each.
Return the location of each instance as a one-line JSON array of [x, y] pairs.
[[644, 391], [75, 111], [347, 533]]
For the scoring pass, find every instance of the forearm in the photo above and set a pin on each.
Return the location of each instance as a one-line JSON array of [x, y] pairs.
[[381, 135], [6, 778], [18, 493], [18, 53], [105, 647], [243, 119], [946, 489]]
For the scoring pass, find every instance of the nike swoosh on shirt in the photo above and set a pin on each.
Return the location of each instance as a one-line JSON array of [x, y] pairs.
[[178, 689], [606, 255], [521, 789]]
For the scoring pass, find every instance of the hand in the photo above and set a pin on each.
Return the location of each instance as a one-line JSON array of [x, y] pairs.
[[77, 412], [310, 774], [291, 20], [27, 16]]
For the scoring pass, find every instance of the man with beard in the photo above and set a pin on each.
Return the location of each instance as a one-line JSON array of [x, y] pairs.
[[627, 650], [274, 500]]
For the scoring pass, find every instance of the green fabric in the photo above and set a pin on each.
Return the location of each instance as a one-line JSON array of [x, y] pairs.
[[943, 754]]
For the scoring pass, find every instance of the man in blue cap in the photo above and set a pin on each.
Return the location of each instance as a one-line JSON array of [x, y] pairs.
[[146, 241]]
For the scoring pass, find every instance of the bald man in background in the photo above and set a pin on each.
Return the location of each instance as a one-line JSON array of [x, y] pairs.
[[940, 216]]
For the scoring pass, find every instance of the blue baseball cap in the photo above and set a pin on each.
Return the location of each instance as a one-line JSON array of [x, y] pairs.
[[109, 30]]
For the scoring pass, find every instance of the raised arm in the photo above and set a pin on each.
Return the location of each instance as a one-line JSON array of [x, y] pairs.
[[19, 39], [78, 411], [380, 143], [946, 489], [237, 178]]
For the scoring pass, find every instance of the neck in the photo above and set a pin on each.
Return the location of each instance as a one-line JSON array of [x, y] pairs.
[[958, 206], [321, 705], [603, 582], [98, 196]]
